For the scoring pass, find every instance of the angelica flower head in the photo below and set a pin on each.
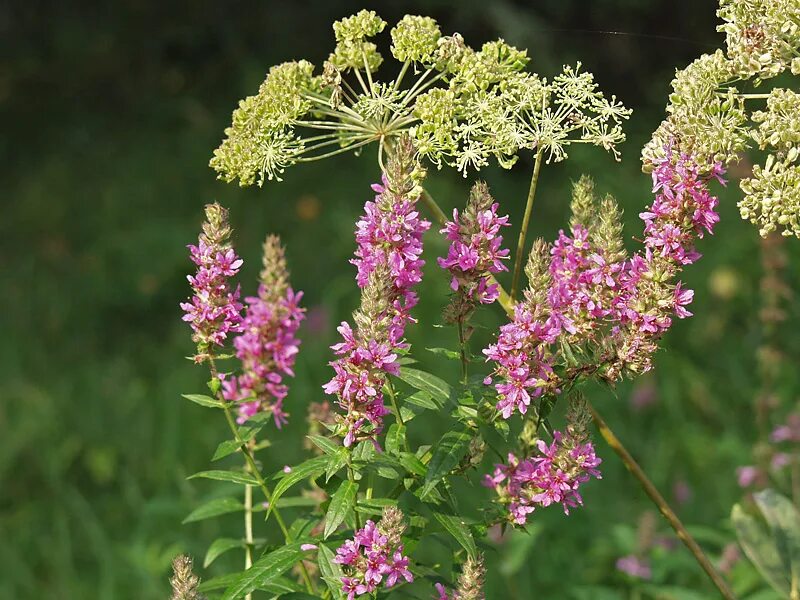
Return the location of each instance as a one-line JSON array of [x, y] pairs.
[[466, 106]]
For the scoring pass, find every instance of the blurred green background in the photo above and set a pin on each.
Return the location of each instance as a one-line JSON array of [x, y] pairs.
[[110, 112]]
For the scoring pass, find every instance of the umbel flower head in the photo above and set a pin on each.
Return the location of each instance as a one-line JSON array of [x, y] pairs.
[[389, 266], [267, 345], [464, 108], [214, 310]]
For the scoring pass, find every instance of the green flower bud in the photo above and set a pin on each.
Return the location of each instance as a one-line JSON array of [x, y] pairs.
[[415, 39]]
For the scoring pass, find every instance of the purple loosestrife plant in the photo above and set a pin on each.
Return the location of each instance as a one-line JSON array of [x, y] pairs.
[[591, 309], [214, 310], [389, 238], [267, 344]]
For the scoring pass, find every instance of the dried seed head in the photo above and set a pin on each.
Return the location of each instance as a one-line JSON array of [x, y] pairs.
[[470, 582], [184, 582], [391, 525], [583, 203]]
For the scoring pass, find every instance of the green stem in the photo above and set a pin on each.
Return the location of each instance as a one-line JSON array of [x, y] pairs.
[[462, 344], [352, 479], [248, 530], [255, 472], [523, 232], [662, 505]]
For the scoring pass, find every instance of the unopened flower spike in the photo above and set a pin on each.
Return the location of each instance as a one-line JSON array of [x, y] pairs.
[[184, 582], [267, 346], [462, 107]]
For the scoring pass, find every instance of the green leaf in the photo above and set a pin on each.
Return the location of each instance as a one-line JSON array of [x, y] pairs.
[[395, 438], [226, 448], [446, 455], [331, 572], [447, 353], [423, 400], [214, 508], [337, 461], [232, 476], [762, 550], [784, 521], [219, 547], [279, 585], [202, 400], [311, 468], [458, 528], [412, 464], [327, 445], [263, 571], [374, 506], [342, 502], [438, 388]]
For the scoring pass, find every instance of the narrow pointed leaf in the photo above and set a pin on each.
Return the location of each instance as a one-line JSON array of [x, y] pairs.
[[458, 528], [263, 571], [395, 438], [331, 572], [214, 508], [225, 448], [311, 468], [446, 455], [203, 400], [438, 388], [219, 547], [232, 476], [342, 502]]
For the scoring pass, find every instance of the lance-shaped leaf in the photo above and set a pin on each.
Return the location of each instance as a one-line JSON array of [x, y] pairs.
[[342, 502], [395, 438], [311, 468], [438, 388], [458, 528], [219, 547], [232, 476], [264, 571], [214, 508], [203, 400], [446, 455], [331, 572]]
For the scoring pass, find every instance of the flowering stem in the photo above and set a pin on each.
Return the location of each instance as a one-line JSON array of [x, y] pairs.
[[254, 471], [504, 299], [462, 344], [662, 505], [537, 165], [248, 530]]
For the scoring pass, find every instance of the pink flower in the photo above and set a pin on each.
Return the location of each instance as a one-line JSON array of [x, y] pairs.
[[552, 476], [369, 560], [388, 257], [635, 567]]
